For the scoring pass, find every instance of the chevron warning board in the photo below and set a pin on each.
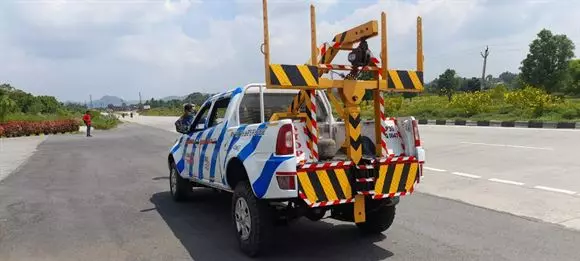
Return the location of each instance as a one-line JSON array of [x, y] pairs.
[[325, 185], [353, 130], [395, 178], [405, 80], [293, 75]]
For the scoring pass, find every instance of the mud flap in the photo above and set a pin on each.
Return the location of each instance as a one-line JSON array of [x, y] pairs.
[[359, 209]]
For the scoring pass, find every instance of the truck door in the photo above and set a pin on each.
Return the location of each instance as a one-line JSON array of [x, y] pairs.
[[212, 140], [191, 152]]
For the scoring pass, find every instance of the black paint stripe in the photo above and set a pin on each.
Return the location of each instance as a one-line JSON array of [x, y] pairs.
[[317, 186], [273, 78], [314, 71], [404, 177], [390, 83], [354, 121], [335, 184], [405, 79], [388, 178], [342, 37], [420, 76], [356, 143], [294, 75]]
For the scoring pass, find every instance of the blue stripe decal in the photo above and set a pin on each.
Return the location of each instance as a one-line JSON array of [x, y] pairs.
[[176, 146], [216, 151], [263, 182], [183, 155], [237, 136], [195, 140], [250, 147], [236, 91], [180, 166], [202, 154]]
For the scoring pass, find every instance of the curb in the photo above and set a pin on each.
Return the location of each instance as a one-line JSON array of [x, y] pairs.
[[42, 134], [505, 124]]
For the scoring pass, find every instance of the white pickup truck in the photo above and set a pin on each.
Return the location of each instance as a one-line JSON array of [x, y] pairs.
[[231, 146]]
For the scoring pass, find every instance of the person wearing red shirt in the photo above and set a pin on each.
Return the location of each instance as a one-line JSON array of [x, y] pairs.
[[87, 120]]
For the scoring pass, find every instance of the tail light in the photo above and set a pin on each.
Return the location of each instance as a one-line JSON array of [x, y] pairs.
[[416, 133], [286, 180], [285, 141]]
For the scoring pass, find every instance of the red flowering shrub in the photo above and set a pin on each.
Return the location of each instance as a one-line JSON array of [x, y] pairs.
[[26, 128]]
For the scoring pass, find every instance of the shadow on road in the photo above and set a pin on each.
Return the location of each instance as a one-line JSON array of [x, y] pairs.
[[203, 227]]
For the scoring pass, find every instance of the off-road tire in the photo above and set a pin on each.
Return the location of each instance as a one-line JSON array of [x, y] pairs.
[[262, 220], [183, 187], [378, 221]]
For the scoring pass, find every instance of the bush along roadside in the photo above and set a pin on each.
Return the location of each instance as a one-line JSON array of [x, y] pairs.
[[104, 122], [518, 124], [28, 128]]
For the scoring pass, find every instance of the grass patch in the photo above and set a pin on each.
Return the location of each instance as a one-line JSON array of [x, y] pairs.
[[162, 112], [104, 122]]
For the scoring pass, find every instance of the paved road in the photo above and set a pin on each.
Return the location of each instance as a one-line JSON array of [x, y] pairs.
[[106, 198]]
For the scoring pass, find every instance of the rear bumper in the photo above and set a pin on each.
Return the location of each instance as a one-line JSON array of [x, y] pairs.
[[339, 182]]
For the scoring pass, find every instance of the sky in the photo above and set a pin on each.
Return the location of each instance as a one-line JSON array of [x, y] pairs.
[[75, 48]]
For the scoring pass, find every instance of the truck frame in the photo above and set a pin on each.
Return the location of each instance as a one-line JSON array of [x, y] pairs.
[[285, 161]]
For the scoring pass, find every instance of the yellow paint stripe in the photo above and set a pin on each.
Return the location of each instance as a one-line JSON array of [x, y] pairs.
[[344, 184], [307, 186], [280, 74], [412, 175], [307, 75], [396, 80], [326, 185], [415, 80], [396, 178], [381, 180]]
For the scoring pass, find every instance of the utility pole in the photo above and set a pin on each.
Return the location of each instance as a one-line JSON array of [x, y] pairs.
[[484, 55], [140, 101], [91, 101]]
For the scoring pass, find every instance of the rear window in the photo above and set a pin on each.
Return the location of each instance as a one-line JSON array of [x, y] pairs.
[[273, 102]]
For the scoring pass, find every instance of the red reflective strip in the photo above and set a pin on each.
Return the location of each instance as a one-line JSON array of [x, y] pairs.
[[285, 173]]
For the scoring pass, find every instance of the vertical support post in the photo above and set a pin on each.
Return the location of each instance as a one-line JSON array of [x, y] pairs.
[[379, 101], [419, 45], [266, 44], [314, 50], [384, 51], [262, 117], [311, 124]]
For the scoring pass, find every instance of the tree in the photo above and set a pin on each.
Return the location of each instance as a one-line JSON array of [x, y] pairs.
[[507, 77], [7, 105], [447, 83], [471, 85], [546, 64], [574, 77]]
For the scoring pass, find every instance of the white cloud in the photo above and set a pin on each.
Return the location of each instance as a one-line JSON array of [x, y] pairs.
[[73, 48]]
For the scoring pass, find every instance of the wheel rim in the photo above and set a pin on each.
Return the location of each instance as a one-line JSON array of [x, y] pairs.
[[243, 218], [173, 181]]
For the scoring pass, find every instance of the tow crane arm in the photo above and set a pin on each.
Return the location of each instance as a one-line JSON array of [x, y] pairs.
[[308, 78]]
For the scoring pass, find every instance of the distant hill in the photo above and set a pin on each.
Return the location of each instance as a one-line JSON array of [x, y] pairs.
[[107, 99], [170, 98]]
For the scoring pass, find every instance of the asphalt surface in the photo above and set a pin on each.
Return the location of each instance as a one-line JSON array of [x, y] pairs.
[[106, 198]]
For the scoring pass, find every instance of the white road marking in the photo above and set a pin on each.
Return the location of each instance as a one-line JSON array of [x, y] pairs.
[[434, 169], [506, 181], [505, 145], [466, 175], [495, 128], [569, 192]]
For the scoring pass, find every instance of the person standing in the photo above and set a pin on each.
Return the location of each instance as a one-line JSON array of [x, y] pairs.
[[87, 120], [183, 124]]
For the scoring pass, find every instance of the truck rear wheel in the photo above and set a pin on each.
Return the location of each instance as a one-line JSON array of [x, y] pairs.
[[378, 221], [252, 220], [179, 187]]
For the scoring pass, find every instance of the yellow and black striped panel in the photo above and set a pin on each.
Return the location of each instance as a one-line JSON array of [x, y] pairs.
[[293, 75], [324, 185], [395, 178], [297, 101], [405, 80], [353, 130]]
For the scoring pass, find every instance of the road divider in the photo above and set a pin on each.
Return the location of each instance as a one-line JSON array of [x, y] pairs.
[[506, 124]]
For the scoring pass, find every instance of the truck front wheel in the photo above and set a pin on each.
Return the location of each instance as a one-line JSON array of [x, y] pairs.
[[378, 220], [179, 187], [252, 219]]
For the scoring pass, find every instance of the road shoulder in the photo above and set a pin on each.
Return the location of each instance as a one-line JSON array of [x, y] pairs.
[[14, 152]]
